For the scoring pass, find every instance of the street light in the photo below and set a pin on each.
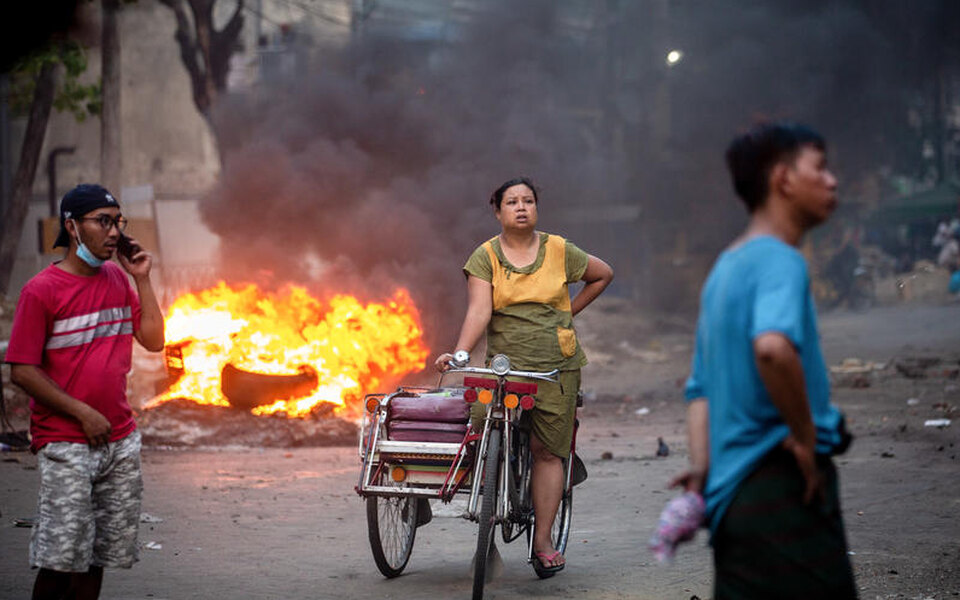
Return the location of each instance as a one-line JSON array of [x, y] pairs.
[[673, 57]]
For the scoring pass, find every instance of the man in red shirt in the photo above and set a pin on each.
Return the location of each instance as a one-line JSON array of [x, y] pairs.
[[70, 349]]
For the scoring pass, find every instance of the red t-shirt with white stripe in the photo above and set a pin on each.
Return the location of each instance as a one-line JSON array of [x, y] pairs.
[[79, 331]]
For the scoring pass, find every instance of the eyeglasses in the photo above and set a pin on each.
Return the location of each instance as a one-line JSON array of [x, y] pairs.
[[106, 221]]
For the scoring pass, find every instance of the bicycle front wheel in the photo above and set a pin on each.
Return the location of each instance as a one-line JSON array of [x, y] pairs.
[[491, 472], [392, 527]]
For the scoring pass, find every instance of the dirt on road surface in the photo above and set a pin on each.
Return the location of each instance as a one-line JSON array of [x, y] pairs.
[[264, 523]]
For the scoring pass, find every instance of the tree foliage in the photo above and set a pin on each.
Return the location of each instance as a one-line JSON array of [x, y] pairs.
[[80, 99], [33, 93]]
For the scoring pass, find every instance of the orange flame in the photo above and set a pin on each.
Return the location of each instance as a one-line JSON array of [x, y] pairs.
[[354, 348]]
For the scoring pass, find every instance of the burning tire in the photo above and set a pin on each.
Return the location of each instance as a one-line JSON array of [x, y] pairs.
[[247, 390]]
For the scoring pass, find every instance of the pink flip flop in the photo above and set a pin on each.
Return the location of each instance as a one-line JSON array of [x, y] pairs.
[[539, 564]]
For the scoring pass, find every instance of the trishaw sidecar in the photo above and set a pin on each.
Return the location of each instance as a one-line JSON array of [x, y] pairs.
[[415, 445]]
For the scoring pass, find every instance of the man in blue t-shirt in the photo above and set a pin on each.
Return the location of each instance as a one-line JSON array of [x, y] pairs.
[[761, 425]]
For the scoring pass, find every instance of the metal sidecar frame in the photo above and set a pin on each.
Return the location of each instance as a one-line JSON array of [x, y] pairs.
[[436, 470], [397, 478]]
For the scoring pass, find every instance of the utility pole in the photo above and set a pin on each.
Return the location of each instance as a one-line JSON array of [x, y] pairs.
[[258, 24], [111, 166], [361, 9]]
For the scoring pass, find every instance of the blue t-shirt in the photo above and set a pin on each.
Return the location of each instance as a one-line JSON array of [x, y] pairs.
[[759, 287]]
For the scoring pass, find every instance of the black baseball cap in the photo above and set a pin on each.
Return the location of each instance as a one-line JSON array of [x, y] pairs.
[[78, 202]]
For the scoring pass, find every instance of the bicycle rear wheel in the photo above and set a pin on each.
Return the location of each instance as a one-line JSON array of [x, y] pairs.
[[392, 528], [560, 530], [491, 472]]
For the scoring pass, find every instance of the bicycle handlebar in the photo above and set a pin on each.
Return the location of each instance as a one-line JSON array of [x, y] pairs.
[[543, 376]]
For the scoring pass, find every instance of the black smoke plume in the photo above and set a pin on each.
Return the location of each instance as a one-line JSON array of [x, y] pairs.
[[370, 165]]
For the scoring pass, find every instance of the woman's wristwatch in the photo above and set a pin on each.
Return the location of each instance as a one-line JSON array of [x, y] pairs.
[[461, 358]]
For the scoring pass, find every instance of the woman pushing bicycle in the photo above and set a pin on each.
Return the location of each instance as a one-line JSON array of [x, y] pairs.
[[517, 288]]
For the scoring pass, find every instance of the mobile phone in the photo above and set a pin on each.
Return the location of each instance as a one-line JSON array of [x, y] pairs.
[[126, 247]]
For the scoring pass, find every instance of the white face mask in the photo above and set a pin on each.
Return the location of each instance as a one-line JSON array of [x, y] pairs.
[[83, 253]]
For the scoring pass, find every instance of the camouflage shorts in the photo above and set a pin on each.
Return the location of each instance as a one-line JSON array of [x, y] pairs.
[[89, 507]]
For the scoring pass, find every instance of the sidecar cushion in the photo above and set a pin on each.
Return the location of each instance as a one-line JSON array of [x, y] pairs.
[[436, 407]]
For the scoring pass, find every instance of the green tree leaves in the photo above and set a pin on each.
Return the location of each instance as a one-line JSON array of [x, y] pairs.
[[81, 99]]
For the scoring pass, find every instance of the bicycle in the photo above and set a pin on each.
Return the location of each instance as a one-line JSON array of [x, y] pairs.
[[401, 469]]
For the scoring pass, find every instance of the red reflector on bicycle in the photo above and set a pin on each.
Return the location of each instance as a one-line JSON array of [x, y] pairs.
[[520, 387], [527, 402], [470, 395], [480, 382]]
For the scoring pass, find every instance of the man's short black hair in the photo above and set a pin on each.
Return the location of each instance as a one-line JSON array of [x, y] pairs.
[[497, 197], [751, 156]]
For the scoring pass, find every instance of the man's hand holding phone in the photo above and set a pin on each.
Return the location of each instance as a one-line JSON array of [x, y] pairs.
[[127, 247], [132, 257]]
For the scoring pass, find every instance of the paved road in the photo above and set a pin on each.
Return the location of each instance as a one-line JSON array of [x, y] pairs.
[[286, 524], [264, 524]]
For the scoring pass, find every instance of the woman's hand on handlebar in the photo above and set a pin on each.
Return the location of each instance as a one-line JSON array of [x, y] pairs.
[[443, 362], [458, 359]]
